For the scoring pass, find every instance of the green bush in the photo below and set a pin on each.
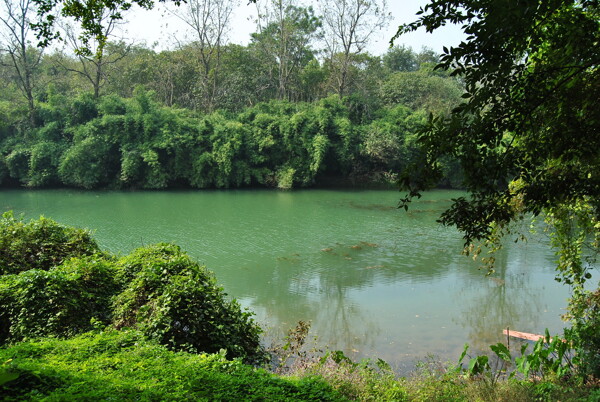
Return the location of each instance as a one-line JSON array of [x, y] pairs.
[[17, 163], [43, 164], [112, 104], [584, 311], [91, 163], [137, 143], [64, 301], [83, 109], [39, 244], [175, 301]]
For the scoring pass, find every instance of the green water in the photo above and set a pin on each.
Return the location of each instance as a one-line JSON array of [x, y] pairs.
[[374, 281]]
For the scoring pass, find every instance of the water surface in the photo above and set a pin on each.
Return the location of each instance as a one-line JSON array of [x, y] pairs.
[[375, 281]]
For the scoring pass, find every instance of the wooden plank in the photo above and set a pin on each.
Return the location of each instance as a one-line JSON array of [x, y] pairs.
[[522, 335]]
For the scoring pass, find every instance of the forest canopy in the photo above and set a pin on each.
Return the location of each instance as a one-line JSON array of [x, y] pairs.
[[296, 106]]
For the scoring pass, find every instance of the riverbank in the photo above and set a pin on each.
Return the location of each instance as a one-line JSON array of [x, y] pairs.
[[123, 366]]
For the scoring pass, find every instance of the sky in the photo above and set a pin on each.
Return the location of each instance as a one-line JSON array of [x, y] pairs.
[[157, 27]]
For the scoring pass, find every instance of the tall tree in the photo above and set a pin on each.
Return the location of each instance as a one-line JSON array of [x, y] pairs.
[[401, 58], [91, 52], [209, 22], [286, 33], [15, 21], [349, 26]]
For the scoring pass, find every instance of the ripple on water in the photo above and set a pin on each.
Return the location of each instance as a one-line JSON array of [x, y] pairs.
[[371, 278]]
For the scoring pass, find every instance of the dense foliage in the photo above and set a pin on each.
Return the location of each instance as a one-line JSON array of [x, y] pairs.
[[526, 134], [176, 302], [123, 365], [66, 300], [278, 112], [116, 142], [40, 244], [157, 289]]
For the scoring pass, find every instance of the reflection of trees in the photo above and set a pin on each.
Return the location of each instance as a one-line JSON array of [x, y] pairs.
[[323, 282], [342, 323], [507, 299], [320, 286], [301, 288]]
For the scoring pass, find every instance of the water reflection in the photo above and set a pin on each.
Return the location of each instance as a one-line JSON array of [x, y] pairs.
[[374, 280], [512, 298]]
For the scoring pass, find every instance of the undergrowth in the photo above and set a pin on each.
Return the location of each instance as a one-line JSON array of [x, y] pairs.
[[122, 365]]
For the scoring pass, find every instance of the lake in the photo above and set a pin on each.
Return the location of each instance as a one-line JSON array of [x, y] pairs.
[[373, 280]]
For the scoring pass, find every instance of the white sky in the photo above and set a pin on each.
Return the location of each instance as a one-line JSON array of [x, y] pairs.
[[158, 27]]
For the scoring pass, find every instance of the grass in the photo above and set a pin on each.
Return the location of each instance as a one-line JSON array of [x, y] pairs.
[[123, 366]]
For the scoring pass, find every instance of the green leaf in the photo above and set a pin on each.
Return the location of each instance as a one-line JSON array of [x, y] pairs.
[[464, 353], [501, 351], [6, 376]]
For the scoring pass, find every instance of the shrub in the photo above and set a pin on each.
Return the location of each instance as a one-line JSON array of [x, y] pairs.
[[83, 109], [17, 163], [66, 300], [285, 178], [39, 244], [91, 163], [177, 302], [112, 104], [355, 381], [584, 311], [43, 164]]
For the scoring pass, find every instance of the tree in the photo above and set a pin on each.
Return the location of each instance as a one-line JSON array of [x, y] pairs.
[[85, 13], [91, 51], [401, 58], [349, 25], [245, 81], [174, 70], [419, 90], [140, 67], [285, 33], [209, 22], [16, 35], [527, 133]]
